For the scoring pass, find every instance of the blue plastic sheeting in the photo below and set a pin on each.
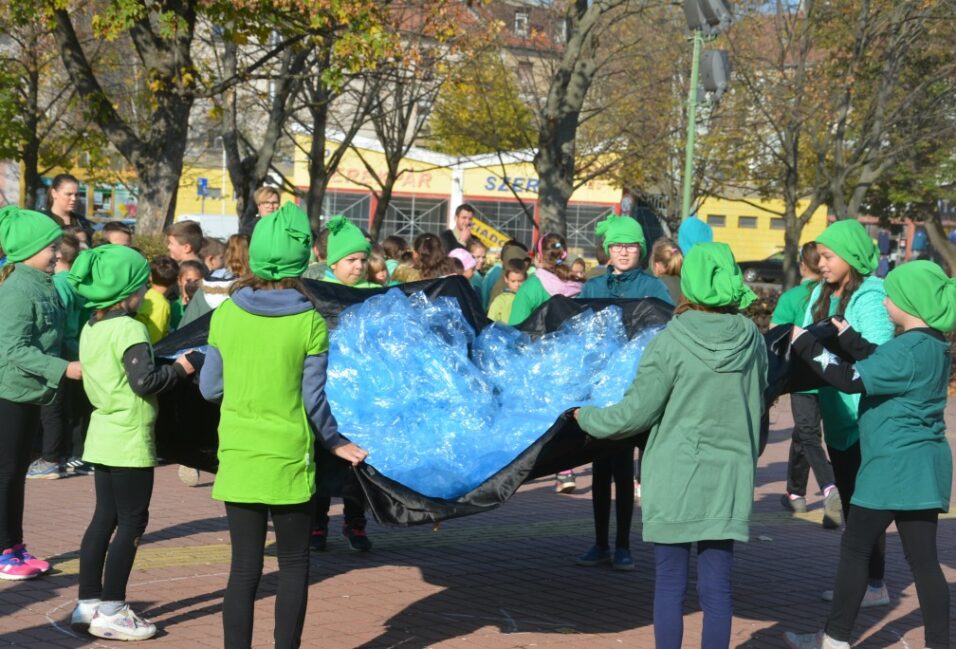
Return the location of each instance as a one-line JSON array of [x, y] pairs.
[[402, 385]]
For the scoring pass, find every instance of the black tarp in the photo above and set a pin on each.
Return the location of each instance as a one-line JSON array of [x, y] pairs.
[[186, 428]]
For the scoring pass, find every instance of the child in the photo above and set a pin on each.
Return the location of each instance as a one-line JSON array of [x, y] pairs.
[[906, 473], [666, 262], [212, 254], [191, 274], [579, 269], [316, 269], [348, 250], [268, 429], [699, 473], [623, 242], [430, 256], [184, 240], [118, 233], [552, 277], [848, 258], [30, 367], [806, 451], [155, 311], [468, 263], [121, 381], [515, 275], [214, 289], [377, 269], [478, 251]]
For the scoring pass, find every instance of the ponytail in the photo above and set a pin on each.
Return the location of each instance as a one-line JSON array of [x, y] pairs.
[[5, 272]]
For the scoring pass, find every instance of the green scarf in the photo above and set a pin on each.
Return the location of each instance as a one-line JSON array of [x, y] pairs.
[[281, 244], [922, 289], [849, 240], [108, 274], [710, 277], [621, 229], [24, 233]]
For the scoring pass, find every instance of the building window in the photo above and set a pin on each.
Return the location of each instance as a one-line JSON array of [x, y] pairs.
[[747, 222], [561, 31], [716, 220], [521, 24], [777, 224], [525, 74]]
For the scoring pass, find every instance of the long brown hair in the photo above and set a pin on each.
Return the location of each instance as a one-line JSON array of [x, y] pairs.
[[810, 257], [821, 310], [237, 255], [6, 270], [553, 251], [256, 283]]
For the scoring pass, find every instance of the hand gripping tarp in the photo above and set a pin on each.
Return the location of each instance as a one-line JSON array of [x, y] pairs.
[[187, 424]]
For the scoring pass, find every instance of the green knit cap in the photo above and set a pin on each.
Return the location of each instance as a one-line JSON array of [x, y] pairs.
[[849, 240], [620, 229], [108, 274], [344, 239], [281, 244], [24, 233], [710, 277], [922, 289]]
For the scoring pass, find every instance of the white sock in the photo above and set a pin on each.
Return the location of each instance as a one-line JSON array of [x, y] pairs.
[[110, 608]]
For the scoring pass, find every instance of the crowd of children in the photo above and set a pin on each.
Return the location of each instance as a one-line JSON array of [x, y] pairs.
[[76, 363]]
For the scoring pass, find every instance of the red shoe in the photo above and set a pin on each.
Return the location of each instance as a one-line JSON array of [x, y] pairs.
[[21, 551]]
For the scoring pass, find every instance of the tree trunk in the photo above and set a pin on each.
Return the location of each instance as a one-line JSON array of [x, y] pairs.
[[158, 187], [791, 248], [943, 246], [381, 208], [318, 173]]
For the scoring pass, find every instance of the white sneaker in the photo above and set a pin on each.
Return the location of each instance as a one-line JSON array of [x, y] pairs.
[[188, 475], [83, 613], [872, 597], [818, 640], [124, 625]]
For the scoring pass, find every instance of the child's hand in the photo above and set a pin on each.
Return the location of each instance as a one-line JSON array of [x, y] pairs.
[[182, 360], [351, 453], [74, 371], [575, 413], [797, 332], [841, 324]]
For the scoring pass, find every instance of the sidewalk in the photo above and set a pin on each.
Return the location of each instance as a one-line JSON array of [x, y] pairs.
[[505, 579]]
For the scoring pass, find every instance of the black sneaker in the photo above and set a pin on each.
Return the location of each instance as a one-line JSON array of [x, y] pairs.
[[358, 540], [319, 540], [76, 466]]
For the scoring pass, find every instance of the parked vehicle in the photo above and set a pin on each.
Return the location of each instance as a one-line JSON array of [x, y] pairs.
[[764, 270]]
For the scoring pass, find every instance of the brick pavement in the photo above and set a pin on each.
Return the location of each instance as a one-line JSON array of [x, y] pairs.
[[500, 580]]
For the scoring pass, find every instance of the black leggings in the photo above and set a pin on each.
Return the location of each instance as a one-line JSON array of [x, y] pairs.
[[846, 464], [122, 504], [19, 422], [247, 532], [917, 531], [806, 448], [620, 467]]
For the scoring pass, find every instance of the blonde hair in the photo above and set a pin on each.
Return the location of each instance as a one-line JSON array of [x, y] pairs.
[[376, 264], [237, 254], [666, 253], [406, 273], [262, 192]]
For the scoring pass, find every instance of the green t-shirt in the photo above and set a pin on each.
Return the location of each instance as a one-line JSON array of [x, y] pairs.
[[907, 463], [121, 431], [265, 440], [792, 305]]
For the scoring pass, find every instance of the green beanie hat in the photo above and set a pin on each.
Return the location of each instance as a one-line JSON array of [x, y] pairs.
[[24, 233], [281, 244], [710, 277], [620, 229], [849, 240], [344, 239], [922, 289], [108, 274]]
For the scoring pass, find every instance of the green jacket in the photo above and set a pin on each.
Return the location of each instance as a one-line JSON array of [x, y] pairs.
[[699, 389], [866, 313], [30, 337], [529, 297]]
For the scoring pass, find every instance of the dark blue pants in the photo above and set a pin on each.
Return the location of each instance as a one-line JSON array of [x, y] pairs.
[[714, 563]]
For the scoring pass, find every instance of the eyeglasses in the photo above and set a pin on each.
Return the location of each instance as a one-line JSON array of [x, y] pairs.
[[621, 247], [268, 203]]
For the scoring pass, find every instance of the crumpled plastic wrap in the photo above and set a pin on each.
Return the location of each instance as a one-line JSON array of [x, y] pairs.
[[441, 410]]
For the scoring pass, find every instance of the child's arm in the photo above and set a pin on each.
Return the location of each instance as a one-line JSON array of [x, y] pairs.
[[145, 377], [210, 376], [852, 342], [316, 404], [642, 405], [825, 364]]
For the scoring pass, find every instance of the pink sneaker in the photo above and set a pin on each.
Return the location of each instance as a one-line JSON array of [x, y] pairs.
[[30, 560], [13, 568]]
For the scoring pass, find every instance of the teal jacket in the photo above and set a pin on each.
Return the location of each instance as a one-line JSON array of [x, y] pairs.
[[633, 284], [866, 313], [699, 389], [30, 337]]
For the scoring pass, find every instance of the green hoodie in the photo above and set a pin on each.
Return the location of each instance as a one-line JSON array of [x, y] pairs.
[[699, 389]]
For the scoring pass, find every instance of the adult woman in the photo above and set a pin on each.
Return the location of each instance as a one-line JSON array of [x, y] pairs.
[[63, 200]]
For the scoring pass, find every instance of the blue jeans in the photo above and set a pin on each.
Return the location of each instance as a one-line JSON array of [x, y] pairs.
[[714, 563]]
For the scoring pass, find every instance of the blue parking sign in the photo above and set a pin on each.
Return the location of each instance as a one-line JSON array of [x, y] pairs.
[[202, 187]]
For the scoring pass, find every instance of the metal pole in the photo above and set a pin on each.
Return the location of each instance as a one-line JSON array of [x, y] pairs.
[[223, 176], [691, 124]]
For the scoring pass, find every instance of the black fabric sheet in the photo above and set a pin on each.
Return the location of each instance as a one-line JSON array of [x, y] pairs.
[[187, 424]]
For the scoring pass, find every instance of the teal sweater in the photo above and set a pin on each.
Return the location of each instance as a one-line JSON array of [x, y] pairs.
[[866, 313], [30, 337], [699, 389]]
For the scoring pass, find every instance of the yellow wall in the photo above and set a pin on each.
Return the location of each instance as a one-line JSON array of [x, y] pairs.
[[759, 242], [187, 201]]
